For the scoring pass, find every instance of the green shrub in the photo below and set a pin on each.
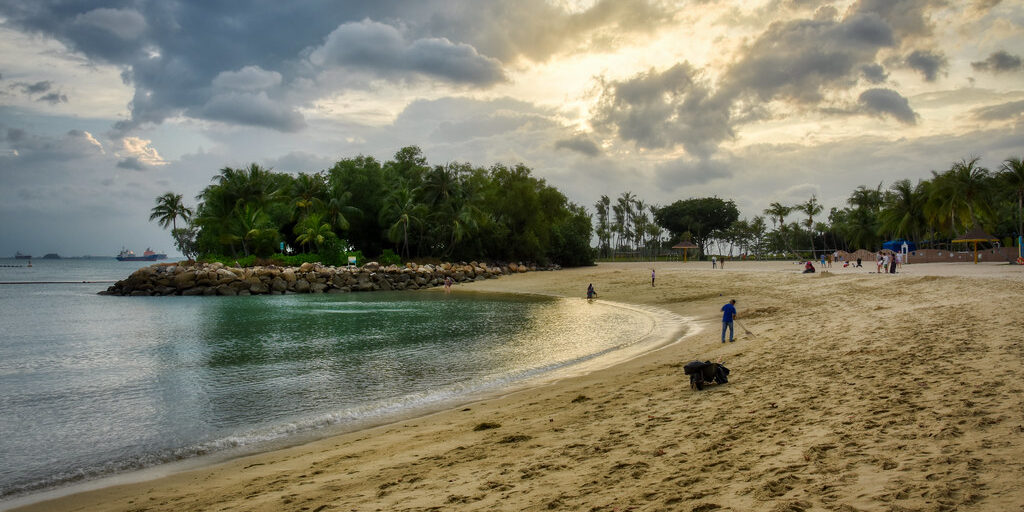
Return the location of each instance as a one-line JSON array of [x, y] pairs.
[[388, 257]]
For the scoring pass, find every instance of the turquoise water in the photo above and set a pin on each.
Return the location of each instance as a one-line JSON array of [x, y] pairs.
[[92, 386]]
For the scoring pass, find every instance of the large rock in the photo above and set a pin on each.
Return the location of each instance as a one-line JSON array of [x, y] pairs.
[[278, 284], [185, 280], [301, 286]]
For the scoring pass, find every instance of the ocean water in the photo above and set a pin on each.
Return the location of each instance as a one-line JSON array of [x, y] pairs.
[[93, 386]]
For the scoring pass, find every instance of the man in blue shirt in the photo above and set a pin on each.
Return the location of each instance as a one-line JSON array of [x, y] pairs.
[[728, 314]]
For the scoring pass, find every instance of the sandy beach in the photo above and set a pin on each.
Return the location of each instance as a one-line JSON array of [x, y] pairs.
[[851, 391]]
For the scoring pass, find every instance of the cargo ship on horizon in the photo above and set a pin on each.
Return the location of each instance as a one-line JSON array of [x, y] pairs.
[[148, 255]]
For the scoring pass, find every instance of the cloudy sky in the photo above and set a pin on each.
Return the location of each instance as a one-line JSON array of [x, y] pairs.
[[104, 105]]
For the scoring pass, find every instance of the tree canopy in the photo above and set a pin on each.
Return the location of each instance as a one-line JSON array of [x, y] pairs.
[[452, 211], [703, 218]]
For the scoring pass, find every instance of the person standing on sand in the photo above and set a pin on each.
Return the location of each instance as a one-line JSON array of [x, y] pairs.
[[590, 291], [728, 314], [714, 262], [652, 278]]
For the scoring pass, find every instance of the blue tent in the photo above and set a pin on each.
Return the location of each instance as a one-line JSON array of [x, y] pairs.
[[897, 245]]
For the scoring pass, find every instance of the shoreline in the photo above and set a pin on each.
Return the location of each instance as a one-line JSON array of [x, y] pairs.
[[664, 330], [851, 394]]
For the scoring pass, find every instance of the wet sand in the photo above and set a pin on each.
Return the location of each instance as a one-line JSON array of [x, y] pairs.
[[851, 391]]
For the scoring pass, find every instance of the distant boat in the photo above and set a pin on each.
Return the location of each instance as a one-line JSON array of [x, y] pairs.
[[20, 256], [52, 256], [148, 255]]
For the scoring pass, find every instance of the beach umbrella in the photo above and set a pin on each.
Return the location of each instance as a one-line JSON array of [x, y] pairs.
[[684, 245], [975, 235]]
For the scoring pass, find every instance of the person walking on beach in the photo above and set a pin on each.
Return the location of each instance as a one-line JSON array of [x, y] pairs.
[[728, 314], [590, 291], [652, 278], [448, 284], [714, 262]]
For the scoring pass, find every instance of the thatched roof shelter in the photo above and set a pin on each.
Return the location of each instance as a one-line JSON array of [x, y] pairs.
[[975, 235], [685, 246]]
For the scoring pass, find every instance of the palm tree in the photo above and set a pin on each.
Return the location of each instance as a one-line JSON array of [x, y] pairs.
[[604, 229], [902, 215], [252, 226], [167, 210], [812, 207], [868, 198], [626, 215], [778, 211], [308, 194], [1012, 174], [963, 189], [339, 208], [314, 230], [401, 212]]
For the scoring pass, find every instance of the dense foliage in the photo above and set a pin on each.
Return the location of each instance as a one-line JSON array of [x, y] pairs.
[[449, 212], [931, 212]]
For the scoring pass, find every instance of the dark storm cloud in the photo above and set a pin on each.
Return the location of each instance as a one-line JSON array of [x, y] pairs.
[[1005, 111], [798, 60], [999, 62], [580, 144], [253, 109], [928, 63], [874, 73], [173, 51], [881, 102], [662, 110], [906, 18], [375, 46]]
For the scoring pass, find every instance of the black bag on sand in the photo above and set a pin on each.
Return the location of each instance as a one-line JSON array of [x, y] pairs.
[[703, 372]]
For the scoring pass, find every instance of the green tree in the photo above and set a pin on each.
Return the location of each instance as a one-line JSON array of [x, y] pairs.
[[401, 213], [1012, 175], [314, 230], [168, 208], [812, 207], [902, 214], [604, 227], [703, 217]]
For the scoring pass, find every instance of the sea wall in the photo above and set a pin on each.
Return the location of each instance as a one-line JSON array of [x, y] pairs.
[[217, 279]]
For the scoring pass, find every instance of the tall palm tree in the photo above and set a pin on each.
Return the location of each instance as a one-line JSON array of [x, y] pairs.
[[959, 195], [868, 198], [604, 228], [167, 210], [308, 194], [902, 214], [625, 204], [778, 212], [339, 208], [812, 207], [400, 213], [1012, 174]]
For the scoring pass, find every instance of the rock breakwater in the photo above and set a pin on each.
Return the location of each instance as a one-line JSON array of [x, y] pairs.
[[218, 279]]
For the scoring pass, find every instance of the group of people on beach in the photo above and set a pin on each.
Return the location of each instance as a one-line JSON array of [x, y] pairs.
[[889, 262]]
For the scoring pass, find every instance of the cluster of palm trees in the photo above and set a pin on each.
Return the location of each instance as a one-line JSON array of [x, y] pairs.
[[451, 211], [626, 227], [936, 209]]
